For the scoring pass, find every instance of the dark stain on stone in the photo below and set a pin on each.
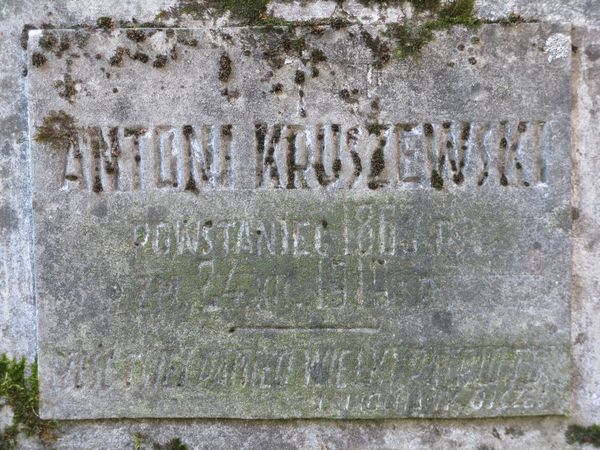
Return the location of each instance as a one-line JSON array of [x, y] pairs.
[[121, 109], [6, 150], [8, 218], [442, 320], [99, 210], [157, 214], [515, 432], [593, 52], [581, 338]]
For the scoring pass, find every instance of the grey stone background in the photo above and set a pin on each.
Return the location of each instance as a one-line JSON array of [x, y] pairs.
[[17, 312]]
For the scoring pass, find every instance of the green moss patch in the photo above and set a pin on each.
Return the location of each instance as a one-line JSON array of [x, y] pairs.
[[578, 434], [247, 12], [19, 388], [410, 40], [142, 442]]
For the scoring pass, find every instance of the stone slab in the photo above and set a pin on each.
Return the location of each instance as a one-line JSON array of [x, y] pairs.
[[261, 223]]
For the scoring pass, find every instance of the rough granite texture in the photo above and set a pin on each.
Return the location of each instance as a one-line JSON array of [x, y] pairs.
[[17, 327]]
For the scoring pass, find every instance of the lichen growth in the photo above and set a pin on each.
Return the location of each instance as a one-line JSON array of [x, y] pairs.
[[117, 58], [247, 12], [419, 5], [224, 68], [19, 387], [58, 130], [141, 441], [50, 43], [38, 59], [141, 57], [380, 49], [67, 88], [299, 77], [404, 40], [160, 61], [375, 128], [136, 35], [47, 41], [277, 88], [105, 23], [578, 434], [317, 55], [410, 40], [279, 43]]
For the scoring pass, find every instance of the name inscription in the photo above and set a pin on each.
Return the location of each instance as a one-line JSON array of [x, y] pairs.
[[332, 156]]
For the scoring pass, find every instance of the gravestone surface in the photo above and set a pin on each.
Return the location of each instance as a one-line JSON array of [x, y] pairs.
[[275, 223]]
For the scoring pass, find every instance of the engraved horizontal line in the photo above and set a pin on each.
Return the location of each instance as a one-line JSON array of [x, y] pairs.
[[306, 329]]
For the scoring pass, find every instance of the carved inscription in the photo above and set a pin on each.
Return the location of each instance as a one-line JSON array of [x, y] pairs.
[[387, 379], [357, 259], [401, 155], [332, 156], [109, 159], [266, 230]]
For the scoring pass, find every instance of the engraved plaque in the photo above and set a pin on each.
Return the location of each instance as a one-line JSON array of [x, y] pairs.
[[277, 223]]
